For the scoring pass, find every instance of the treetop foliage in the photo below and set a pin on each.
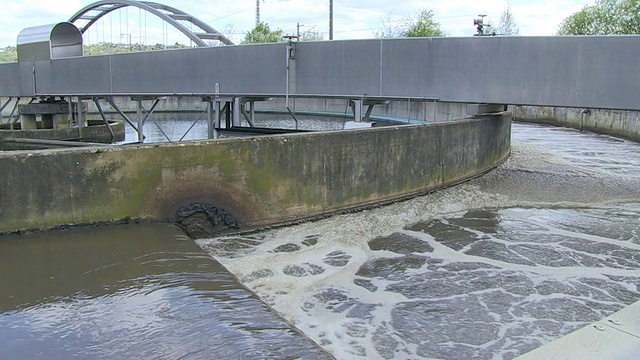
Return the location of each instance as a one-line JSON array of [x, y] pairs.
[[423, 26], [8, 54], [606, 17], [507, 24], [420, 25], [262, 34]]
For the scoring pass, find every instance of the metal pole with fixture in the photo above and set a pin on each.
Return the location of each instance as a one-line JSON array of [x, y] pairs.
[[298, 26], [330, 19]]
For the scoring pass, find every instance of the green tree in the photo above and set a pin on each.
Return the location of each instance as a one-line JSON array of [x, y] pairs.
[[606, 17], [262, 34], [8, 54], [507, 24], [423, 26]]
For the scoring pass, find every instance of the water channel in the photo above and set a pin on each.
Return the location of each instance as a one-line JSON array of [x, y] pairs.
[[492, 268]]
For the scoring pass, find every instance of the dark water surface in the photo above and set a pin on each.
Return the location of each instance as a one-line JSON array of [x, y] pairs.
[[132, 291]]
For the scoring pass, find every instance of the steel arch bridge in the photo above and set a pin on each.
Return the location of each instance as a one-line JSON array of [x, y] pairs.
[[94, 12]]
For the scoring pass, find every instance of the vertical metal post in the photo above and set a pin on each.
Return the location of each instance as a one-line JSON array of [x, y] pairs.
[[216, 113], [330, 19], [357, 110], [252, 110], [70, 120], [140, 122], [79, 119], [257, 13], [286, 90], [227, 114], [210, 119], [236, 111], [435, 110]]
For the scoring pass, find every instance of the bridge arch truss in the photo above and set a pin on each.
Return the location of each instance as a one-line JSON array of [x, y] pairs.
[[90, 14]]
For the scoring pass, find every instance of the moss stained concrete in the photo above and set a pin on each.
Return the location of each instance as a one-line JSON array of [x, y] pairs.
[[261, 181]]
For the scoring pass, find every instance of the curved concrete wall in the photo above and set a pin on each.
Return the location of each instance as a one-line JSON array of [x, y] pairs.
[[259, 180], [612, 122]]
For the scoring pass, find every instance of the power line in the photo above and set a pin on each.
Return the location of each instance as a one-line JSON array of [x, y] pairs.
[[226, 16]]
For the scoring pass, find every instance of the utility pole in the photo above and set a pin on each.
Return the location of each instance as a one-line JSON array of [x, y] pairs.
[[298, 29], [257, 13], [330, 19]]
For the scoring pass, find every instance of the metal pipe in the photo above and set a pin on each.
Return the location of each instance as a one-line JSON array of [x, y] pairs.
[[293, 116], [286, 91]]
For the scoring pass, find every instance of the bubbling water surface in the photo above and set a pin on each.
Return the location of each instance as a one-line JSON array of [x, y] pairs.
[[546, 243]]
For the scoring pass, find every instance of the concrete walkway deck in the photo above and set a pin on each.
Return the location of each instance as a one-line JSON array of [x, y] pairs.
[[614, 337]]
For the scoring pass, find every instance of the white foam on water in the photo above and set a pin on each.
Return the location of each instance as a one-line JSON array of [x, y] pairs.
[[520, 273]]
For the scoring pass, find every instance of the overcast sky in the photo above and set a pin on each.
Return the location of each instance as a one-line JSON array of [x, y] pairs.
[[353, 19]]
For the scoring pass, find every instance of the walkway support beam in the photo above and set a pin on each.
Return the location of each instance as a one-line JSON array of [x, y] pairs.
[[579, 71]]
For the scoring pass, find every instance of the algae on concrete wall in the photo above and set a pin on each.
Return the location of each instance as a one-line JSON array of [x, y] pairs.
[[259, 181]]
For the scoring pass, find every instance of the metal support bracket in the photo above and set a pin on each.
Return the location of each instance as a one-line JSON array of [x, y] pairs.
[[2, 109], [120, 112], [141, 120], [104, 118], [13, 111], [356, 106], [237, 101]]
